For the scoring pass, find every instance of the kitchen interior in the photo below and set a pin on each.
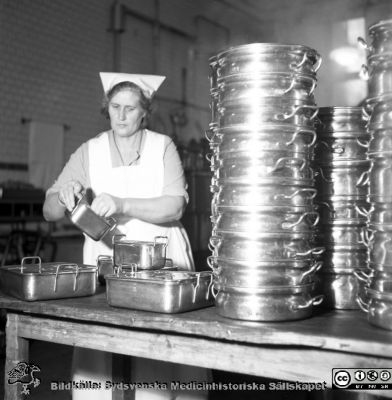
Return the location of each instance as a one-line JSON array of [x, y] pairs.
[[52, 53]]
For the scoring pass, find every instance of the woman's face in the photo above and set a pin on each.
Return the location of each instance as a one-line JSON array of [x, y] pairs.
[[125, 112]]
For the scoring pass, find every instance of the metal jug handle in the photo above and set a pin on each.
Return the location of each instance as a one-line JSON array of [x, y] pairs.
[[22, 263], [362, 304]]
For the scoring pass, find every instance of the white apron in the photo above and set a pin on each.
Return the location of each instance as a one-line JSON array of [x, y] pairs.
[[144, 180]]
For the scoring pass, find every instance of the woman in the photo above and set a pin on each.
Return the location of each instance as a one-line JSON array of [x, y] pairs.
[[136, 176]]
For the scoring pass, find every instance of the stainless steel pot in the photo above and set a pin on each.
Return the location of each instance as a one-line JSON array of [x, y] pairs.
[[378, 74], [380, 142], [341, 122], [340, 288], [335, 149], [265, 138], [380, 179], [270, 220], [268, 111], [231, 196], [343, 179], [245, 89], [146, 255], [340, 212], [277, 303], [229, 273], [380, 247], [376, 280], [256, 58], [251, 167], [267, 248], [380, 42], [352, 235], [378, 307], [344, 257]]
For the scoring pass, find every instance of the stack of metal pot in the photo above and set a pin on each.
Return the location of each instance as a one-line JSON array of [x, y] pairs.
[[262, 138], [378, 71], [342, 171]]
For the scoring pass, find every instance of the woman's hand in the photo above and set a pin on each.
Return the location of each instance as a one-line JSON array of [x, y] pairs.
[[67, 194], [107, 205]]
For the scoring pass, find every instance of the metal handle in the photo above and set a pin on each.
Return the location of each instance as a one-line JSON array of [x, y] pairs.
[[364, 144], [365, 114], [364, 72], [295, 66], [313, 193], [314, 301], [22, 263], [362, 211], [290, 225], [115, 238], [284, 116], [362, 42], [211, 262], [294, 81], [363, 179], [321, 171], [362, 305], [215, 241], [281, 163], [317, 64], [209, 289], [360, 275], [314, 268], [314, 251], [112, 222], [194, 288], [214, 294], [77, 270], [296, 133]]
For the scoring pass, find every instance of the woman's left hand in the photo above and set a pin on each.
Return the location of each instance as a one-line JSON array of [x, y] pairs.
[[107, 205]]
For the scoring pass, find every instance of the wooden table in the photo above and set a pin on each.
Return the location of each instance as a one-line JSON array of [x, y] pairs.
[[304, 351]]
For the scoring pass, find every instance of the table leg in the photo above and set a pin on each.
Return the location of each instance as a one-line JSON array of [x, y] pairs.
[[17, 350]]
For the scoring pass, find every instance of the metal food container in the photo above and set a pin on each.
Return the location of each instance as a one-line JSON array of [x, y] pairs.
[[160, 291], [47, 281], [146, 255], [89, 222]]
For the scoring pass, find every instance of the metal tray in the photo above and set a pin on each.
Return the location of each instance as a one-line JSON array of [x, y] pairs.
[[160, 291], [47, 281]]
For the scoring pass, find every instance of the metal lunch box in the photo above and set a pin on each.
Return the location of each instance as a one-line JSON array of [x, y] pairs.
[[160, 291], [146, 255], [47, 281], [89, 222]]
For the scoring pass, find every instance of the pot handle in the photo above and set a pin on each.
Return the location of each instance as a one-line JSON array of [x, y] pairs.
[[22, 263], [207, 133], [320, 170], [195, 287], [314, 251], [312, 191], [362, 211], [57, 274], [161, 240], [283, 160], [360, 275], [284, 116], [211, 262], [314, 268], [362, 304], [296, 133], [314, 301], [290, 225], [365, 114], [364, 144], [214, 294], [364, 73], [362, 42], [363, 179]]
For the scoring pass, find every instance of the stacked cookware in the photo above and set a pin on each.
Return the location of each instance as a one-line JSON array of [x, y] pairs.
[[342, 171], [262, 138], [378, 71]]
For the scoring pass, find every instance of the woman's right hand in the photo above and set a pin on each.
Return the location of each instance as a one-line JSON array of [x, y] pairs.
[[67, 194]]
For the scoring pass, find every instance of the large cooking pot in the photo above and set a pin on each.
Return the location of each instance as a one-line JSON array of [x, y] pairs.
[[378, 307], [376, 280], [341, 211], [256, 58], [146, 255], [380, 113], [378, 74], [351, 235], [267, 248], [343, 178], [340, 288], [251, 167], [275, 303], [255, 196], [271, 219], [380, 180], [343, 257], [245, 89], [380, 39], [269, 110], [380, 142], [380, 247], [268, 137], [341, 122], [233, 273], [334, 149]]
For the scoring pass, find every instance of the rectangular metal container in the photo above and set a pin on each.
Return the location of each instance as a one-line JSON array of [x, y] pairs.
[[160, 291], [47, 281]]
